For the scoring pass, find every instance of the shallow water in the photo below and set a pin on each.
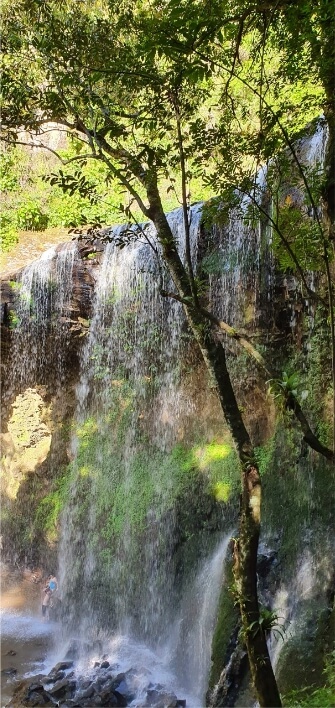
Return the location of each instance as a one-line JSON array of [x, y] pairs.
[[22, 630]]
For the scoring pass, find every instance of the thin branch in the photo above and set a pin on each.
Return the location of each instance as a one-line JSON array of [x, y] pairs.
[[332, 331], [36, 145], [184, 200], [236, 52], [286, 243], [121, 156], [150, 244], [79, 158], [293, 405], [291, 402], [283, 130]]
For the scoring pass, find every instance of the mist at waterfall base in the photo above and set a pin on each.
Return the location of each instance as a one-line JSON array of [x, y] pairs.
[[179, 666], [179, 663]]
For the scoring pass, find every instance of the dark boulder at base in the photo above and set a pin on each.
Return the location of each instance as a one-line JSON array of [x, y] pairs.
[[99, 687], [11, 671], [61, 666]]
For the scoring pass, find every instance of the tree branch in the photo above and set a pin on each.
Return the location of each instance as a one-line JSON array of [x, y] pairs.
[[311, 293], [184, 199], [293, 405], [124, 156], [291, 402]]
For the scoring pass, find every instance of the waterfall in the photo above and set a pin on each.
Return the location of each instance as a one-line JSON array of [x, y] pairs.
[[195, 627], [292, 603], [121, 580], [129, 388], [42, 295], [235, 268], [117, 570], [180, 662]]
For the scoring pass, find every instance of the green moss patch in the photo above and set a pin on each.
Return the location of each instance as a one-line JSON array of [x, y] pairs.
[[227, 620]]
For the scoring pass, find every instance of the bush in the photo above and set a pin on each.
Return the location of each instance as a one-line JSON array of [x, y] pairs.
[[8, 231], [9, 162], [30, 216]]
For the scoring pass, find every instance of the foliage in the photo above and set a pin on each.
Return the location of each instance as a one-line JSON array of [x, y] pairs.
[[158, 85], [289, 384], [30, 216], [289, 473], [311, 364], [158, 478], [268, 622], [50, 507], [9, 177], [264, 455], [124, 77], [227, 622], [8, 231], [35, 199], [312, 697], [32, 203]]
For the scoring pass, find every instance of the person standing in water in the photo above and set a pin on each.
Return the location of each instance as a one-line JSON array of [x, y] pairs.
[[52, 582], [46, 599], [55, 603]]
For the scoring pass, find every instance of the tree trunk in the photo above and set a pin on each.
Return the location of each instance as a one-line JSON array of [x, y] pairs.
[[245, 571], [246, 547], [329, 199]]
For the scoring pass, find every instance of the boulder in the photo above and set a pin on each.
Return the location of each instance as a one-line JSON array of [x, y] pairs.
[[161, 699], [121, 700], [107, 696], [61, 666], [97, 701], [58, 676], [11, 671], [100, 688], [37, 686], [35, 698], [84, 693], [59, 689], [120, 686]]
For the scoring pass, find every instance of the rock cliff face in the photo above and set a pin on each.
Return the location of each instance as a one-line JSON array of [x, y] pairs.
[[72, 318], [46, 312], [39, 370]]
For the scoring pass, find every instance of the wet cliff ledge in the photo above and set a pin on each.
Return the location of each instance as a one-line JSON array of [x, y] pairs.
[[21, 308]]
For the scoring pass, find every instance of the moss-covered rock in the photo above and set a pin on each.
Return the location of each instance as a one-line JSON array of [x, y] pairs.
[[227, 626]]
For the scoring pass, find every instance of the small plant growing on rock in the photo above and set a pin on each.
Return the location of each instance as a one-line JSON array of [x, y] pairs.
[[288, 386], [268, 622]]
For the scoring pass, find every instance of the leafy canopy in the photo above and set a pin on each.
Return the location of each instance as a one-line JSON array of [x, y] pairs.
[[123, 76]]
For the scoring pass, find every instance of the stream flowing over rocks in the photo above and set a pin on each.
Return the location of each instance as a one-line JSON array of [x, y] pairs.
[[101, 686]]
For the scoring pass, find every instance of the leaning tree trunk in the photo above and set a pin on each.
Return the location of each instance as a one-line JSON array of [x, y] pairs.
[[326, 61], [247, 546], [329, 200]]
